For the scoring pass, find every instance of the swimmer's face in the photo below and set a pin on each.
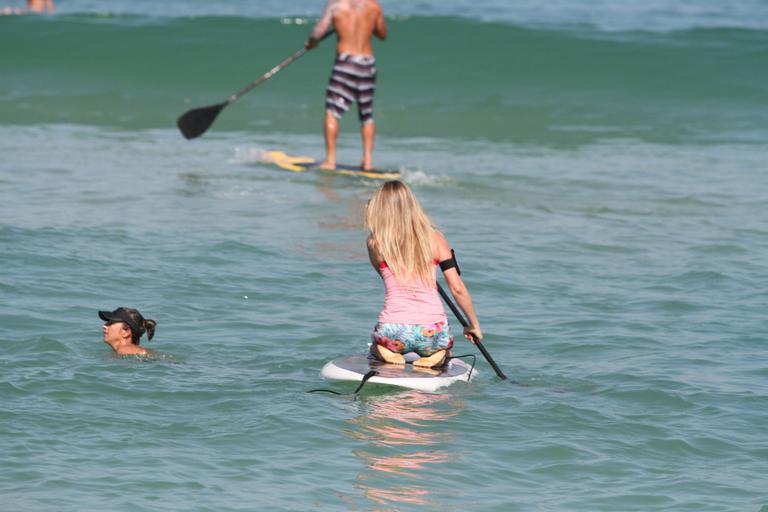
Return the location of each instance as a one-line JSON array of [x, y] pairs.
[[115, 331]]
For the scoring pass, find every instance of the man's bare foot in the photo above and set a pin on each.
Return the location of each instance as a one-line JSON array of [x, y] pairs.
[[435, 359], [328, 165]]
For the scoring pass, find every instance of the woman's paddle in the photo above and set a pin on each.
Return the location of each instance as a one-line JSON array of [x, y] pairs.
[[195, 122], [464, 323]]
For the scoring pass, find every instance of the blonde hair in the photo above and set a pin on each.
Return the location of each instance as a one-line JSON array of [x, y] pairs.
[[401, 232]]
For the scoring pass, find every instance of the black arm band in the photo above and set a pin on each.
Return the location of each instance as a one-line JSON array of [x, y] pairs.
[[450, 263]]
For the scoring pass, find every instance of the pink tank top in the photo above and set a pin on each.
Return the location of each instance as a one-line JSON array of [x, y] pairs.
[[410, 304]]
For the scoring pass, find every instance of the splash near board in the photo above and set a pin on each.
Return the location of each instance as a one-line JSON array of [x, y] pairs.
[[354, 368], [307, 163]]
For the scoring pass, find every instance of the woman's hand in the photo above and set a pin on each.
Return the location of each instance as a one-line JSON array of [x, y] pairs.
[[473, 333]]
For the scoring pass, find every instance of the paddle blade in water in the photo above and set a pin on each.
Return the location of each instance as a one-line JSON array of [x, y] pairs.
[[195, 122]]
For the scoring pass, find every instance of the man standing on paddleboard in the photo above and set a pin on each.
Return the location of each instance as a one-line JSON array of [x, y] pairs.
[[353, 77]]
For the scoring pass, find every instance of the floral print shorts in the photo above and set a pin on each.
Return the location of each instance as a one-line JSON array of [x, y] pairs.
[[425, 340]]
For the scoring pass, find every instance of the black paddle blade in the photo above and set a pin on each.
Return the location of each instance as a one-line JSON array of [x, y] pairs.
[[195, 122]]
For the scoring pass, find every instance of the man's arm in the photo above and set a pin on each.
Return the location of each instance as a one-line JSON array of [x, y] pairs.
[[380, 29], [322, 26]]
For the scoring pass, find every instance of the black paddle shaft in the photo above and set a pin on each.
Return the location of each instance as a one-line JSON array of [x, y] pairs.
[[464, 323], [266, 76], [195, 122]]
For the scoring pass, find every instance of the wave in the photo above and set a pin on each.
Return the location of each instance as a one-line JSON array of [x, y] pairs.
[[608, 15], [497, 79]]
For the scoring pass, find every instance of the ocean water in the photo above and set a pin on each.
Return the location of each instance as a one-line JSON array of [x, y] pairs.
[[599, 169]]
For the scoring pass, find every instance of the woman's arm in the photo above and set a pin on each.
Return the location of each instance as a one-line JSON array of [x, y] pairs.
[[373, 254], [458, 288]]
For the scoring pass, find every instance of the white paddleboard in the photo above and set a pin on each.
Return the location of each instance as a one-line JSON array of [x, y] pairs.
[[355, 367]]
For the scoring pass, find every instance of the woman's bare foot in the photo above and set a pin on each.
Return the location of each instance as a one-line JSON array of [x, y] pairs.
[[435, 359], [387, 355], [428, 371]]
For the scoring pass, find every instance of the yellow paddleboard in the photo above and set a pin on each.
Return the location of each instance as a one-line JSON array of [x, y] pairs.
[[307, 163]]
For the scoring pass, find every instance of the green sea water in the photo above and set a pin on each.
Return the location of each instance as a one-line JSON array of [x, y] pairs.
[[489, 81], [604, 191]]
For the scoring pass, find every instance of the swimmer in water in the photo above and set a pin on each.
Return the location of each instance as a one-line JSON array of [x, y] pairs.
[[123, 329], [33, 7]]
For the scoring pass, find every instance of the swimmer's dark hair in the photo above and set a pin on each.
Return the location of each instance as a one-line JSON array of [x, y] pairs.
[[149, 328], [145, 326]]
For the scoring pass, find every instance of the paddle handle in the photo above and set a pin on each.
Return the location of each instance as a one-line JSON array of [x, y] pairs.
[[464, 323], [266, 76]]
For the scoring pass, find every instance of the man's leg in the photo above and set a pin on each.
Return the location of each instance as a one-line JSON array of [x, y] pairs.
[[331, 131], [368, 133]]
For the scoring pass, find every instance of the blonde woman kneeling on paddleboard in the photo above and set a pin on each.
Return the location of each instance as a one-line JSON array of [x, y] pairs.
[[123, 329], [406, 249]]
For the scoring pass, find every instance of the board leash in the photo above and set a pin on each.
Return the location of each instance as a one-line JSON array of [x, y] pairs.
[[471, 368], [367, 376]]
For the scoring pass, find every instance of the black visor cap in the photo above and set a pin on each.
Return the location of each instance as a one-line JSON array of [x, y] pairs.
[[121, 315]]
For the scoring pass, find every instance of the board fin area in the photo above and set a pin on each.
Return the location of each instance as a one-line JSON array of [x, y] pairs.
[[307, 163]]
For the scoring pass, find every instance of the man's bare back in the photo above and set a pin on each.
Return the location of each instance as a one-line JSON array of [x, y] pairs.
[[355, 21]]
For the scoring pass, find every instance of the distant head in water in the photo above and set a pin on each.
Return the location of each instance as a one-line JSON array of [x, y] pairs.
[[40, 6], [123, 329]]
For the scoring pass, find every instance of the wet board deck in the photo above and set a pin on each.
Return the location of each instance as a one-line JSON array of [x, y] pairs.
[[307, 163], [353, 368]]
